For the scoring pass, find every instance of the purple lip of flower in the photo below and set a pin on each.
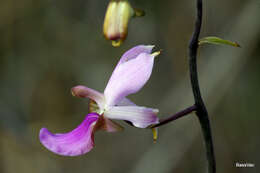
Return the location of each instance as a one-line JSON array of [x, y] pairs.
[[130, 75]]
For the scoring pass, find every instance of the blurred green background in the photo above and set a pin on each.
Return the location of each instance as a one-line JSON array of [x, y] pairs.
[[49, 46]]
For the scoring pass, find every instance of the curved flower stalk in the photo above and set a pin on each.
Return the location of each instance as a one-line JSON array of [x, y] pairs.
[[129, 76]]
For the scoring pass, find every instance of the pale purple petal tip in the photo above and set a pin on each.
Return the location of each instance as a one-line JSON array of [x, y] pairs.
[[134, 52], [141, 117], [128, 78], [77, 142]]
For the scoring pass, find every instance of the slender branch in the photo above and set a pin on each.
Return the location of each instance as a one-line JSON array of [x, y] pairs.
[[201, 111], [176, 116], [171, 118]]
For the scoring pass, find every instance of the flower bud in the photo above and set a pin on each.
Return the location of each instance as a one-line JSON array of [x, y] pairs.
[[116, 20]]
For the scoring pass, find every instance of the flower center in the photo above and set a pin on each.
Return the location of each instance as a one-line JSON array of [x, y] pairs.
[[93, 107]]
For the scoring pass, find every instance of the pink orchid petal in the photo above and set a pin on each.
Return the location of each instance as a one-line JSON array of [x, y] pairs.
[[85, 92], [128, 78], [141, 117], [77, 142]]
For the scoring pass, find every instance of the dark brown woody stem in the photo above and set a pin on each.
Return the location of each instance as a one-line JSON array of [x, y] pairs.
[[201, 110], [176, 116]]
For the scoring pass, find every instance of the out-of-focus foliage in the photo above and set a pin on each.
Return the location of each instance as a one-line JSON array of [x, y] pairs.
[[49, 46]]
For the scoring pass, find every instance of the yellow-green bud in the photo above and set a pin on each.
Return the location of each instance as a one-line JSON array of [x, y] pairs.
[[116, 21]]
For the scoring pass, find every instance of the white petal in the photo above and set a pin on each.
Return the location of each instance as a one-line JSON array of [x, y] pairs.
[[141, 117]]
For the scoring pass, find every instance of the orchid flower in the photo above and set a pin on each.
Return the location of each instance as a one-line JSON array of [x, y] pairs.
[[131, 73]]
